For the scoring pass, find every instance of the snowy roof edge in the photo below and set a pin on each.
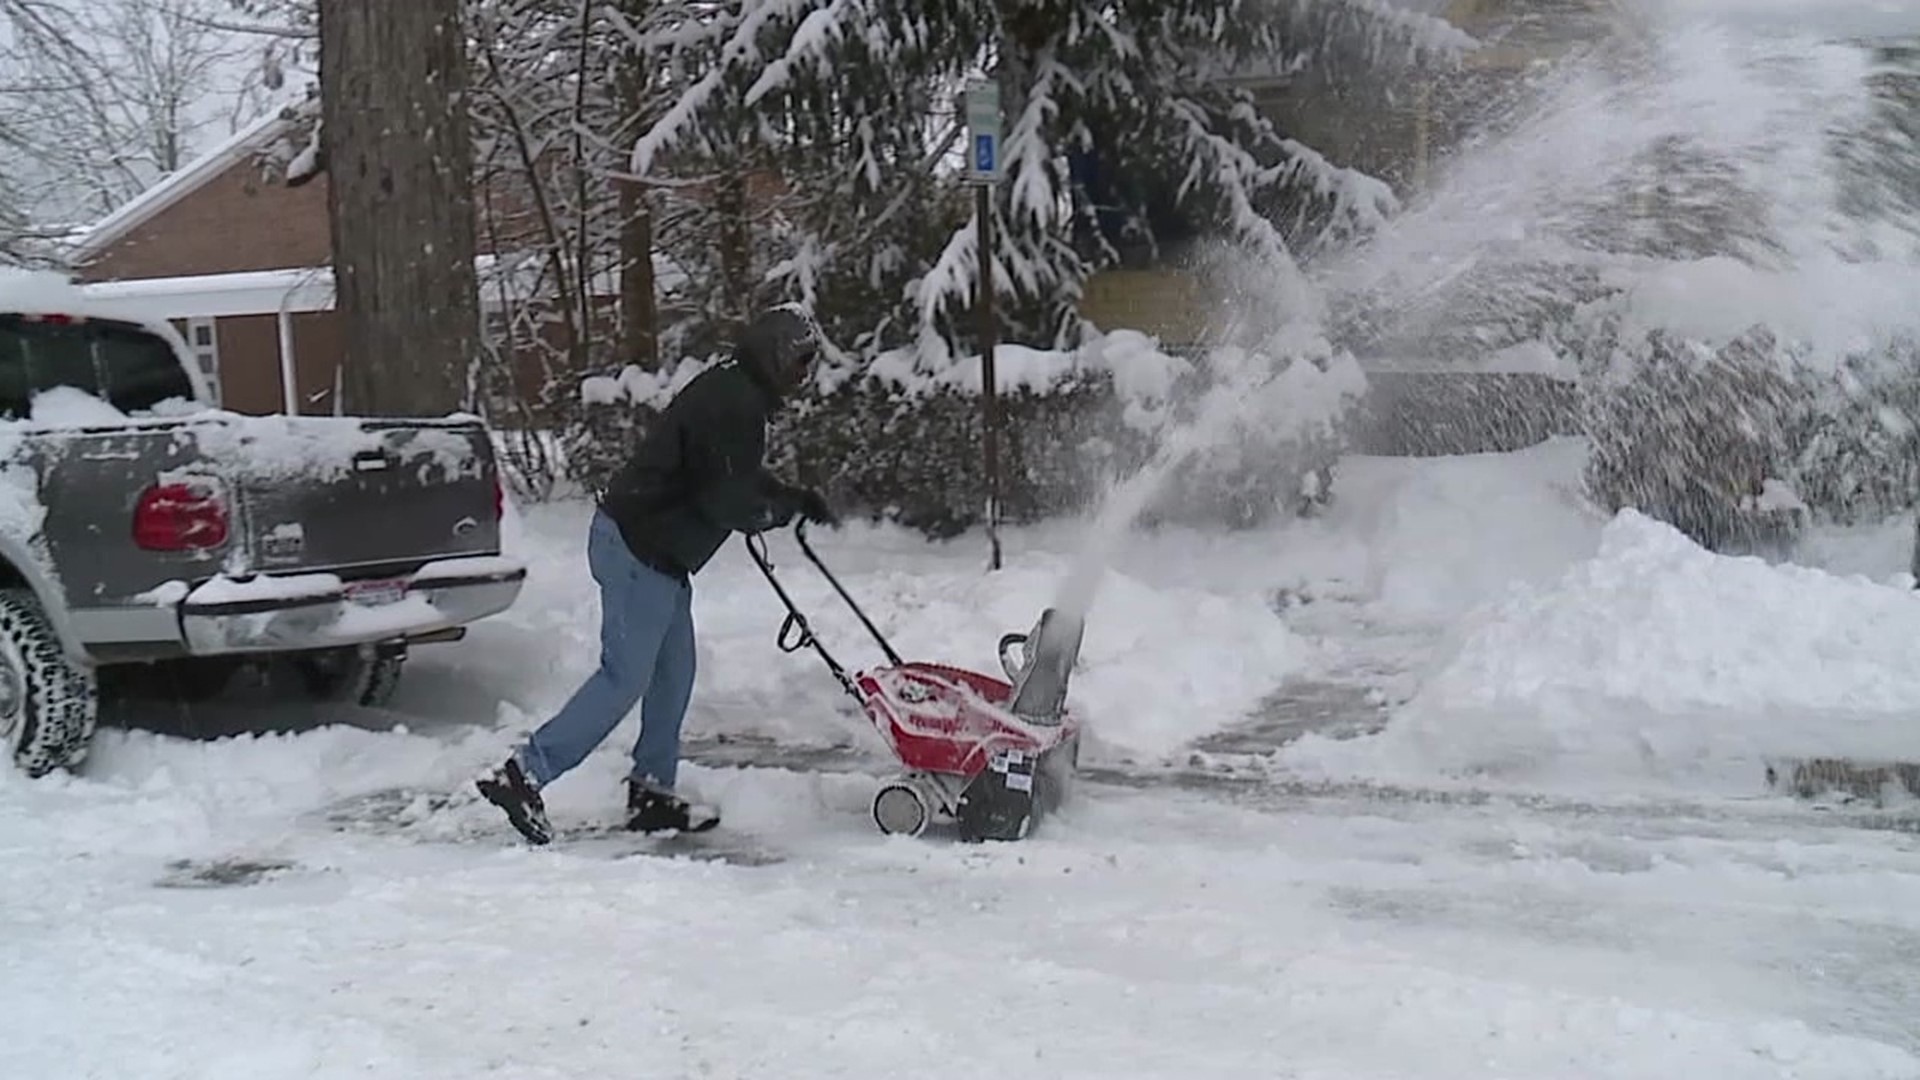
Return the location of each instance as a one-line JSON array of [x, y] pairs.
[[177, 185], [298, 289]]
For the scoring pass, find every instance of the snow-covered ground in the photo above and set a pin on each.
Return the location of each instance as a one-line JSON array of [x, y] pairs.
[[1557, 859]]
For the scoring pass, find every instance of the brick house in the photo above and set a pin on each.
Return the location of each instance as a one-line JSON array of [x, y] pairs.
[[239, 262]]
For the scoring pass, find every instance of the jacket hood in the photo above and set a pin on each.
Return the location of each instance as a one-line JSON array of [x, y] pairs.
[[775, 350]]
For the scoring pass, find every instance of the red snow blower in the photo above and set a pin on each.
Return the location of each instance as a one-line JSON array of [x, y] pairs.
[[991, 756]]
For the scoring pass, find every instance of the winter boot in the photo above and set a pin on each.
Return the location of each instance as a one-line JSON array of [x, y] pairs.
[[509, 789], [651, 811]]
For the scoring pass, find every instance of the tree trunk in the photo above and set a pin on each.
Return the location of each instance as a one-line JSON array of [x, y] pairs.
[[639, 306], [400, 165], [639, 309], [736, 244]]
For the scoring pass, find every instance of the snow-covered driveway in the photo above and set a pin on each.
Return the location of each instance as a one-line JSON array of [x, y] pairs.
[[1209, 916], [1155, 932]]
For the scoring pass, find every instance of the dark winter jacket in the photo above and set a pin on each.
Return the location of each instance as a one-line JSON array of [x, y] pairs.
[[697, 475]]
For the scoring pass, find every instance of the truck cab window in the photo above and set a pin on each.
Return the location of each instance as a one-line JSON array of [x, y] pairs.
[[120, 363]]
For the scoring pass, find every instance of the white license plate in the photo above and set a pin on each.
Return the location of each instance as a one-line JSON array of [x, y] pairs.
[[377, 593]]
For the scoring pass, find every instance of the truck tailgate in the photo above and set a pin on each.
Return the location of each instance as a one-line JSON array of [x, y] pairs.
[[357, 498]]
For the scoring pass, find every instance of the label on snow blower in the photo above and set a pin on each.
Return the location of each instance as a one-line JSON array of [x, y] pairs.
[[1018, 767]]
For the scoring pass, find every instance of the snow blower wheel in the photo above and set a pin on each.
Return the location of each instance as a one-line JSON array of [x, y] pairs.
[[992, 754], [901, 808]]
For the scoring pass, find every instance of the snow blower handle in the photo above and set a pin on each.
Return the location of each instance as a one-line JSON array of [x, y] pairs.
[[1014, 670], [795, 634], [800, 535]]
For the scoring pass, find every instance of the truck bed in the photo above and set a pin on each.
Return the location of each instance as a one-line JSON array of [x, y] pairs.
[[146, 518]]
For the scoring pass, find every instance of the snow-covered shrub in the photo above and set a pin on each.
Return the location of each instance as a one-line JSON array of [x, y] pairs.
[[900, 437], [1857, 442], [883, 450], [1740, 442], [1445, 412], [1698, 437], [1719, 374]]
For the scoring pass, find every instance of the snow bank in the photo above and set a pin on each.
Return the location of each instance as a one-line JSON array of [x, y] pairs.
[[147, 795], [1658, 619], [1659, 659], [1164, 667]]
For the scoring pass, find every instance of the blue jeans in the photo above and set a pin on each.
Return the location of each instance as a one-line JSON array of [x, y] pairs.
[[646, 651]]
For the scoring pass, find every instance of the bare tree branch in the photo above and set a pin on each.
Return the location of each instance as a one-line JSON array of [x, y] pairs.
[[97, 102], [253, 29]]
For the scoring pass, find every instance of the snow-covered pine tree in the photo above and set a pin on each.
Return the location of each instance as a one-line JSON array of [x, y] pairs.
[[854, 99], [737, 219]]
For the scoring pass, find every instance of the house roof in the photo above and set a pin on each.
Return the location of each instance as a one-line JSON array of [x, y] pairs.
[[259, 292], [306, 289], [180, 183]]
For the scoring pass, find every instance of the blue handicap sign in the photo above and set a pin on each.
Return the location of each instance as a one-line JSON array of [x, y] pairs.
[[985, 154]]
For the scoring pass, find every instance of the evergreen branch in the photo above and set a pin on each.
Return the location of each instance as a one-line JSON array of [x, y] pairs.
[[741, 50], [821, 28], [1030, 155]]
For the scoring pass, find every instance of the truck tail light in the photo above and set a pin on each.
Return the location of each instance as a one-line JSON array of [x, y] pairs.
[[499, 498], [181, 516]]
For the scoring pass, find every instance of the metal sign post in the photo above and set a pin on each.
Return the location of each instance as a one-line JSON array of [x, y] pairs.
[[984, 170]]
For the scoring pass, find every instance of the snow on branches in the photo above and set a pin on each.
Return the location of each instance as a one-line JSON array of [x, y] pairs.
[[1119, 117]]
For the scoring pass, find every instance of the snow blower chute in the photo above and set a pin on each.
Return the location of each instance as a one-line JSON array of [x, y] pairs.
[[991, 756]]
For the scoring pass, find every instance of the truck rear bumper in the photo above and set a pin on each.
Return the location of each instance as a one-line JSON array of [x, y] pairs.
[[269, 614]]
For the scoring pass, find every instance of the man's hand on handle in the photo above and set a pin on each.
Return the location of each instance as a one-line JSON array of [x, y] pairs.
[[815, 511]]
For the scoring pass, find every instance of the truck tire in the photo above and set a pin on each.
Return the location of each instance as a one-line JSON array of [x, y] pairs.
[[366, 676], [48, 704]]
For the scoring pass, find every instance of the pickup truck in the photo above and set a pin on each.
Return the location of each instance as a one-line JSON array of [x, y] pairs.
[[140, 527]]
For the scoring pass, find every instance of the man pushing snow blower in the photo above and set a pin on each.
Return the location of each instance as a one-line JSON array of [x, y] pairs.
[[694, 480]]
